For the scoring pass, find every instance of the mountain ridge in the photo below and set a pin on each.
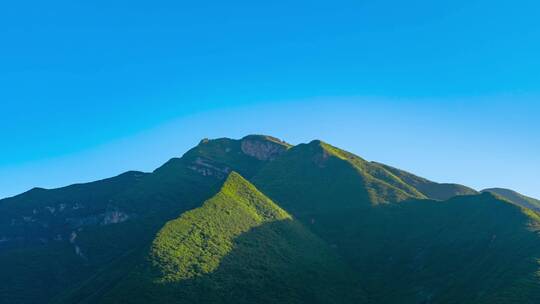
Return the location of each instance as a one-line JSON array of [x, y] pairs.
[[515, 197], [387, 226]]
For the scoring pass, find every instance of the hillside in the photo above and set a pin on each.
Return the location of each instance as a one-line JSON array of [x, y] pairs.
[[469, 249], [516, 198], [432, 190], [40, 235]]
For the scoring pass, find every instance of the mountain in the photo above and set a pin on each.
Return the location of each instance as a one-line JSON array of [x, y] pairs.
[[415, 250], [238, 247], [95, 229], [261, 221], [516, 198]]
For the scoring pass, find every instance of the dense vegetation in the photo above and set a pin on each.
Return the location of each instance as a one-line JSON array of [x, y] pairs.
[[195, 243], [467, 250], [41, 230], [432, 190], [297, 224], [516, 198], [239, 247]]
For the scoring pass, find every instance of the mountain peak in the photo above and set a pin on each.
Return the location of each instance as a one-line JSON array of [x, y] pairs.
[[234, 210], [263, 147]]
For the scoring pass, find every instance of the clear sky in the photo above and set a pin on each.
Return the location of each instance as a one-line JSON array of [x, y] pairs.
[[449, 90]]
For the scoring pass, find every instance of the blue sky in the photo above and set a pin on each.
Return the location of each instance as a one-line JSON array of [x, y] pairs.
[[448, 90]]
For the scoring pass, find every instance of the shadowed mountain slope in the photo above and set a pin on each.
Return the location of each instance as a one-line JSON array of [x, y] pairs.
[[469, 249], [40, 248]]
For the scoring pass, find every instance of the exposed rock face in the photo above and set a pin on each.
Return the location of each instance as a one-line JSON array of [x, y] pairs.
[[207, 168], [262, 148], [114, 217], [51, 223], [106, 218]]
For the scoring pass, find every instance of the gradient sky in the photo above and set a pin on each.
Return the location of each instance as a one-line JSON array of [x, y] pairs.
[[449, 90]]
